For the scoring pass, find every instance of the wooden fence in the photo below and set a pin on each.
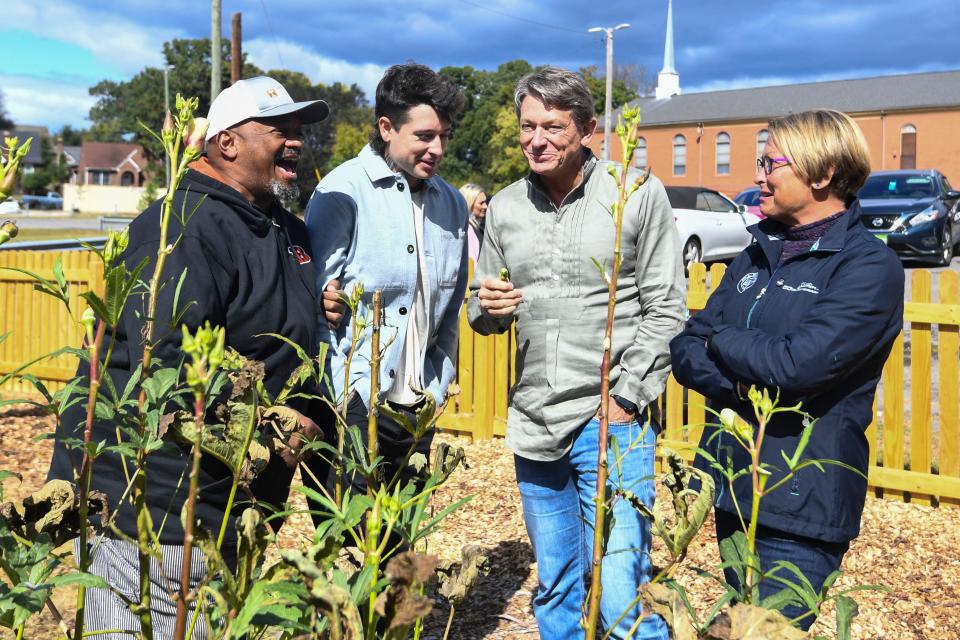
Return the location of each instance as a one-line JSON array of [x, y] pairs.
[[914, 437], [915, 434], [39, 324]]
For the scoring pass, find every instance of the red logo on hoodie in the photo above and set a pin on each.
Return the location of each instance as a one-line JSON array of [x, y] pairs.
[[298, 252]]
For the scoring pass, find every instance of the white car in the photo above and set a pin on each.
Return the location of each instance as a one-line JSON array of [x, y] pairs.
[[712, 226], [10, 206]]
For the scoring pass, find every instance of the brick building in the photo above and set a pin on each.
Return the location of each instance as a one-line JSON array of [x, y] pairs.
[[119, 164], [713, 138]]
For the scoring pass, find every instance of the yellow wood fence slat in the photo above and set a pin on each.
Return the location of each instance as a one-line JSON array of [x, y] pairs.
[[921, 369], [948, 359]]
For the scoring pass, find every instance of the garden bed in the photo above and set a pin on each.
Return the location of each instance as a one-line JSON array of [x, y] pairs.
[[914, 550]]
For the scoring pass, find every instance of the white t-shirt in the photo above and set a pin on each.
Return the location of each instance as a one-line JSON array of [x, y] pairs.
[[410, 370]]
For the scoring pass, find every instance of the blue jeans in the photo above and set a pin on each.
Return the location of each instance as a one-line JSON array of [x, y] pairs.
[[815, 559], [558, 511]]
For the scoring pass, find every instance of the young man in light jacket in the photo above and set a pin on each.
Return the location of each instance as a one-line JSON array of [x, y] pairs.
[[384, 219]]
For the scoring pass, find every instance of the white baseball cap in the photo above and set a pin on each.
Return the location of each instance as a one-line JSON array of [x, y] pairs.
[[259, 97]]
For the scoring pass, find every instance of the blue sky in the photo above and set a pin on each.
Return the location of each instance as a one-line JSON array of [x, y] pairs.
[[51, 52]]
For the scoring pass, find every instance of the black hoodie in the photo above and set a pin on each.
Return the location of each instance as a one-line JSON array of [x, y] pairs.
[[248, 271]]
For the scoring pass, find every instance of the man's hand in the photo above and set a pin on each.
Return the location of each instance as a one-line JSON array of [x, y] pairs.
[[307, 431], [333, 306], [618, 413], [498, 298]]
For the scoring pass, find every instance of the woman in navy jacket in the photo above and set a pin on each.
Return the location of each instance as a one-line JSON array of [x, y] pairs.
[[810, 310]]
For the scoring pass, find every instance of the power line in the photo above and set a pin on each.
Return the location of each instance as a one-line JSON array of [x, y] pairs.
[[273, 34], [527, 20]]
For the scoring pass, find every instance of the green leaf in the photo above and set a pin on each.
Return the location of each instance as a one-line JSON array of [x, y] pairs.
[[847, 610], [736, 555], [43, 285], [88, 580], [98, 306]]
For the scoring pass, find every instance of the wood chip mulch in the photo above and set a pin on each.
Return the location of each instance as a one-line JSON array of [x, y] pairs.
[[913, 550]]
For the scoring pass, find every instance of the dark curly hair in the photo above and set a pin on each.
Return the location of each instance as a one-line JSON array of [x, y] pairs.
[[405, 86]]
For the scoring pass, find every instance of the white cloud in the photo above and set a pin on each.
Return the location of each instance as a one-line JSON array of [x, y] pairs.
[[46, 102], [284, 54], [112, 38]]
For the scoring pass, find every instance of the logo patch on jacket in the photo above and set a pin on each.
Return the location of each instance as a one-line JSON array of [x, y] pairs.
[[747, 281], [806, 287], [298, 252]]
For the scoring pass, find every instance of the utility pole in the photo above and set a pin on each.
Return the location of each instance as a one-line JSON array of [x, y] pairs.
[[215, 61], [608, 102], [236, 57]]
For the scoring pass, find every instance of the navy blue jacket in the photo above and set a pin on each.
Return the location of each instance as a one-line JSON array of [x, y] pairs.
[[819, 329]]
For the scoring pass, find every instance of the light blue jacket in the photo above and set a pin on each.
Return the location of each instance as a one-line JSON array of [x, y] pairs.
[[361, 230]]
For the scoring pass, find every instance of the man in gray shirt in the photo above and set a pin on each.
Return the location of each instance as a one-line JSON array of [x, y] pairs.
[[546, 229]]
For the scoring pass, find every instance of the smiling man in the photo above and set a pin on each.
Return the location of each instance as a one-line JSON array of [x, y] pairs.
[[548, 229], [245, 267], [384, 219]]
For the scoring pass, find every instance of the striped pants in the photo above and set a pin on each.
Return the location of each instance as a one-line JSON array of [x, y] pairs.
[[109, 609]]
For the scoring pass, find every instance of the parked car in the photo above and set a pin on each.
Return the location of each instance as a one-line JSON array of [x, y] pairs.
[[751, 198], [9, 206], [916, 212], [52, 200], [712, 227]]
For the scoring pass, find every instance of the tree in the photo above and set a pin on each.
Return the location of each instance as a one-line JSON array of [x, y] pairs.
[[5, 121], [49, 174], [469, 153], [121, 106], [71, 137], [348, 139], [507, 164], [622, 91]]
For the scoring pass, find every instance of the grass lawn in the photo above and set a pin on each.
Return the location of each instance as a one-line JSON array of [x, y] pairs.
[[33, 235]]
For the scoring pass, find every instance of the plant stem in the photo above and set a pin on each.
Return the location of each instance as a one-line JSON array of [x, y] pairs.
[[373, 446], [180, 624], [600, 497], [144, 521], [86, 473], [759, 481], [342, 422], [446, 631], [371, 558]]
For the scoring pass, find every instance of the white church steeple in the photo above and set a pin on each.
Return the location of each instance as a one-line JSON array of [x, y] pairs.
[[668, 80]]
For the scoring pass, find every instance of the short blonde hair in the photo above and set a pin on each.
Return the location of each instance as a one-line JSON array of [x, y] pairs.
[[820, 140], [470, 192]]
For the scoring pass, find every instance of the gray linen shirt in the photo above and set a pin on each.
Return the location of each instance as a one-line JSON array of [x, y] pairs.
[[561, 322]]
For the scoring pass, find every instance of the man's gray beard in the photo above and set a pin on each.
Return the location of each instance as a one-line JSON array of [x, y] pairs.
[[284, 192]]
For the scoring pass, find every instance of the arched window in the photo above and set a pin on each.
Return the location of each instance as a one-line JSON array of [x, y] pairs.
[[640, 154], [679, 155], [908, 147], [723, 154], [126, 180], [762, 137]]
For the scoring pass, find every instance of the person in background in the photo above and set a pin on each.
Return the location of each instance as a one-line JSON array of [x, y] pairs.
[[476, 199], [809, 311]]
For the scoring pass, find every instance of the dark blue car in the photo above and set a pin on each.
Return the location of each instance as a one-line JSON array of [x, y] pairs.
[[916, 212]]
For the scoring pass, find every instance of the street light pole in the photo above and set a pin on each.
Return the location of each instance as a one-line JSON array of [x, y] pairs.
[[608, 100]]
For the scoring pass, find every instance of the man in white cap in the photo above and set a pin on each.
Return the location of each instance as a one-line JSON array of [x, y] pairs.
[[248, 269]]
